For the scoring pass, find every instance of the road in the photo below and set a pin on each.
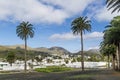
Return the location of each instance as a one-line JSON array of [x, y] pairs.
[[72, 75]]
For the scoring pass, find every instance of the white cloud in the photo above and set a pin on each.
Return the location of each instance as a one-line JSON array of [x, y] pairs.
[[93, 35], [104, 14], [36, 11], [70, 36], [99, 11], [71, 6], [52, 11], [64, 36], [30, 10]]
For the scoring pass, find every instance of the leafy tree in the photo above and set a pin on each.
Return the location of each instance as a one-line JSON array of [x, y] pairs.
[[49, 61], [66, 61], [24, 31], [79, 59], [11, 57], [79, 25], [74, 60], [113, 4], [38, 59], [94, 58]]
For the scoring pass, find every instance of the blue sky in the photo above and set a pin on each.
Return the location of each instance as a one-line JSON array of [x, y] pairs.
[[52, 21]]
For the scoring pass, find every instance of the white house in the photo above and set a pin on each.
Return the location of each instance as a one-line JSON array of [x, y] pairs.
[[3, 64]]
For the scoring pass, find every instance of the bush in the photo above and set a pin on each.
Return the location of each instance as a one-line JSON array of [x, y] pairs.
[[53, 69]]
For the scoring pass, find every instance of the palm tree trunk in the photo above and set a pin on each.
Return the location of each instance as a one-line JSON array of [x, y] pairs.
[[108, 61], [113, 62], [117, 58], [82, 54], [25, 55], [119, 55]]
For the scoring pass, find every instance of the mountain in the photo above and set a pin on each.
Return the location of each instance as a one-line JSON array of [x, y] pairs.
[[93, 52], [53, 50], [90, 52], [59, 49], [41, 49]]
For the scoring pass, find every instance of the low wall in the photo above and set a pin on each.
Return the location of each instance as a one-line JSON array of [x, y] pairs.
[[74, 65], [88, 64]]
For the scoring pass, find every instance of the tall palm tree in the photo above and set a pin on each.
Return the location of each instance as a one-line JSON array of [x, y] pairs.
[[24, 31], [79, 25], [115, 4]]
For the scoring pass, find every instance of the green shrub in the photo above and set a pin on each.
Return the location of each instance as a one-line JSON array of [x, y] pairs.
[[53, 69]]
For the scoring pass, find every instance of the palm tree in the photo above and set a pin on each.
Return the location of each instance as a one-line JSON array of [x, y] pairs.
[[115, 4], [79, 25], [24, 31], [111, 36]]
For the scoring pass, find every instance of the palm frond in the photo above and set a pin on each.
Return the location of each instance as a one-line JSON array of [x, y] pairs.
[[113, 4], [80, 24], [25, 30]]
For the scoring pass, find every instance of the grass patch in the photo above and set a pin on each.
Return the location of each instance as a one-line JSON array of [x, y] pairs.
[[53, 69]]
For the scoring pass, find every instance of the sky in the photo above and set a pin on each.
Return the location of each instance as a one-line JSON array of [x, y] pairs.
[[52, 22]]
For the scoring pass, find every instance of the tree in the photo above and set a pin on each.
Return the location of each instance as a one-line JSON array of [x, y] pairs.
[[38, 59], [113, 4], [79, 25], [49, 60], [11, 57], [111, 36], [73, 60], [66, 61], [24, 31]]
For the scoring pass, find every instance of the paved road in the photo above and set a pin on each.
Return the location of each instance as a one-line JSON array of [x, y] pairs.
[[88, 75], [108, 75]]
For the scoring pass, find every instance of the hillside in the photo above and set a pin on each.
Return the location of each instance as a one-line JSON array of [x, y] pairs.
[[4, 48], [17, 47], [51, 51], [90, 52]]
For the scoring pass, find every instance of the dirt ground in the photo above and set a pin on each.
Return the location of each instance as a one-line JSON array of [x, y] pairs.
[[72, 75]]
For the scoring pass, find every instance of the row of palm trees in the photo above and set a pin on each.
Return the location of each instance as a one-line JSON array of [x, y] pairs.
[[110, 46], [25, 30], [111, 41]]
